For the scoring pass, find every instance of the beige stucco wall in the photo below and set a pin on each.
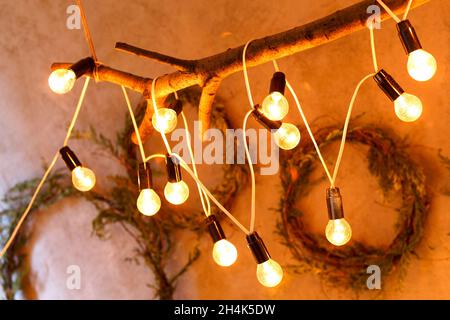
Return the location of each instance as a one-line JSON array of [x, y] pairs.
[[33, 122]]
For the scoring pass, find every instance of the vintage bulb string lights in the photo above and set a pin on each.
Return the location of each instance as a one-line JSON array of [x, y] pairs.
[[421, 66], [91, 177], [407, 107], [268, 272], [224, 252]]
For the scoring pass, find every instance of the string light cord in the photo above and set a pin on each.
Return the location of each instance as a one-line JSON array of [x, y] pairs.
[[305, 121], [389, 11], [135, 126], [208, 193], [408, 7], [87, 33], [247, 152], [155, 108], [154, 156], [332, 179], [47, 172], [372, 46], [345, 129], [252, 173], [244, 69], [203, 197]]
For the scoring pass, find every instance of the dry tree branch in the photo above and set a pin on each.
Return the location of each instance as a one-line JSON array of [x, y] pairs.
[[179, 64], [208, 72]]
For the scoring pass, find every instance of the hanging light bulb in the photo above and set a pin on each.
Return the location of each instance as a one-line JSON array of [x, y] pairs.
[[83, 178], [148, 202], [421, 64], [275, 106], [165, 119], [338, 230], [224, 252], [62, 81], [268, 272], [176, 190], [407, 107], [286, 135]]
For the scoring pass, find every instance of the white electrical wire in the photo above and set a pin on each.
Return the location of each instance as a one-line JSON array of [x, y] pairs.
[[252, 173], [372, 46], [247, 152], [389, 11], [305, 121], [347, 121], [47, 172], [154, 156], [155, 109], [203, 197], [332, 179], [135, 126], [408, 7], [208, 193], [247, 82]]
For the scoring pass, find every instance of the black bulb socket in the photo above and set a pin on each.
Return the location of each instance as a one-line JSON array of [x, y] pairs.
[[173, 169], [83, 66], [145, 179], [389, 86], [264, 121], [278, 82], [258, 248], [408, 36], [70, 158], [334, 204], [214, 228]]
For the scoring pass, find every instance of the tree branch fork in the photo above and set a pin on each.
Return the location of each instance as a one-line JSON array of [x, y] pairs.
[[209, 72]]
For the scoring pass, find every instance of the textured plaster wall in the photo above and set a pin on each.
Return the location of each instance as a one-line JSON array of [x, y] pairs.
[[33, 123]]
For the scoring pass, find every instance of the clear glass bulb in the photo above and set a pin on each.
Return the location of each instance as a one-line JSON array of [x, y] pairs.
[[83, 178], [421, 65], [176, 192], [338, 232], [408, 107], [165, 120], [269, 273], [275, 106], [224, 253], [148, 202], [62, 80], [287, 136]]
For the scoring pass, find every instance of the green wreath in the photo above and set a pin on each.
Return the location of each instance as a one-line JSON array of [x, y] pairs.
[[347, 266]]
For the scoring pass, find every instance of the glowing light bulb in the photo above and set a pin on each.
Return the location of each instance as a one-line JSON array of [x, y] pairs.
[[338, 231], [165, 120], [176, 192], [148, 202], [287, 136], [224, 253], [421, 65], [275, 106], [83, 178], [408, 107], [62, 80], [269, 273]]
